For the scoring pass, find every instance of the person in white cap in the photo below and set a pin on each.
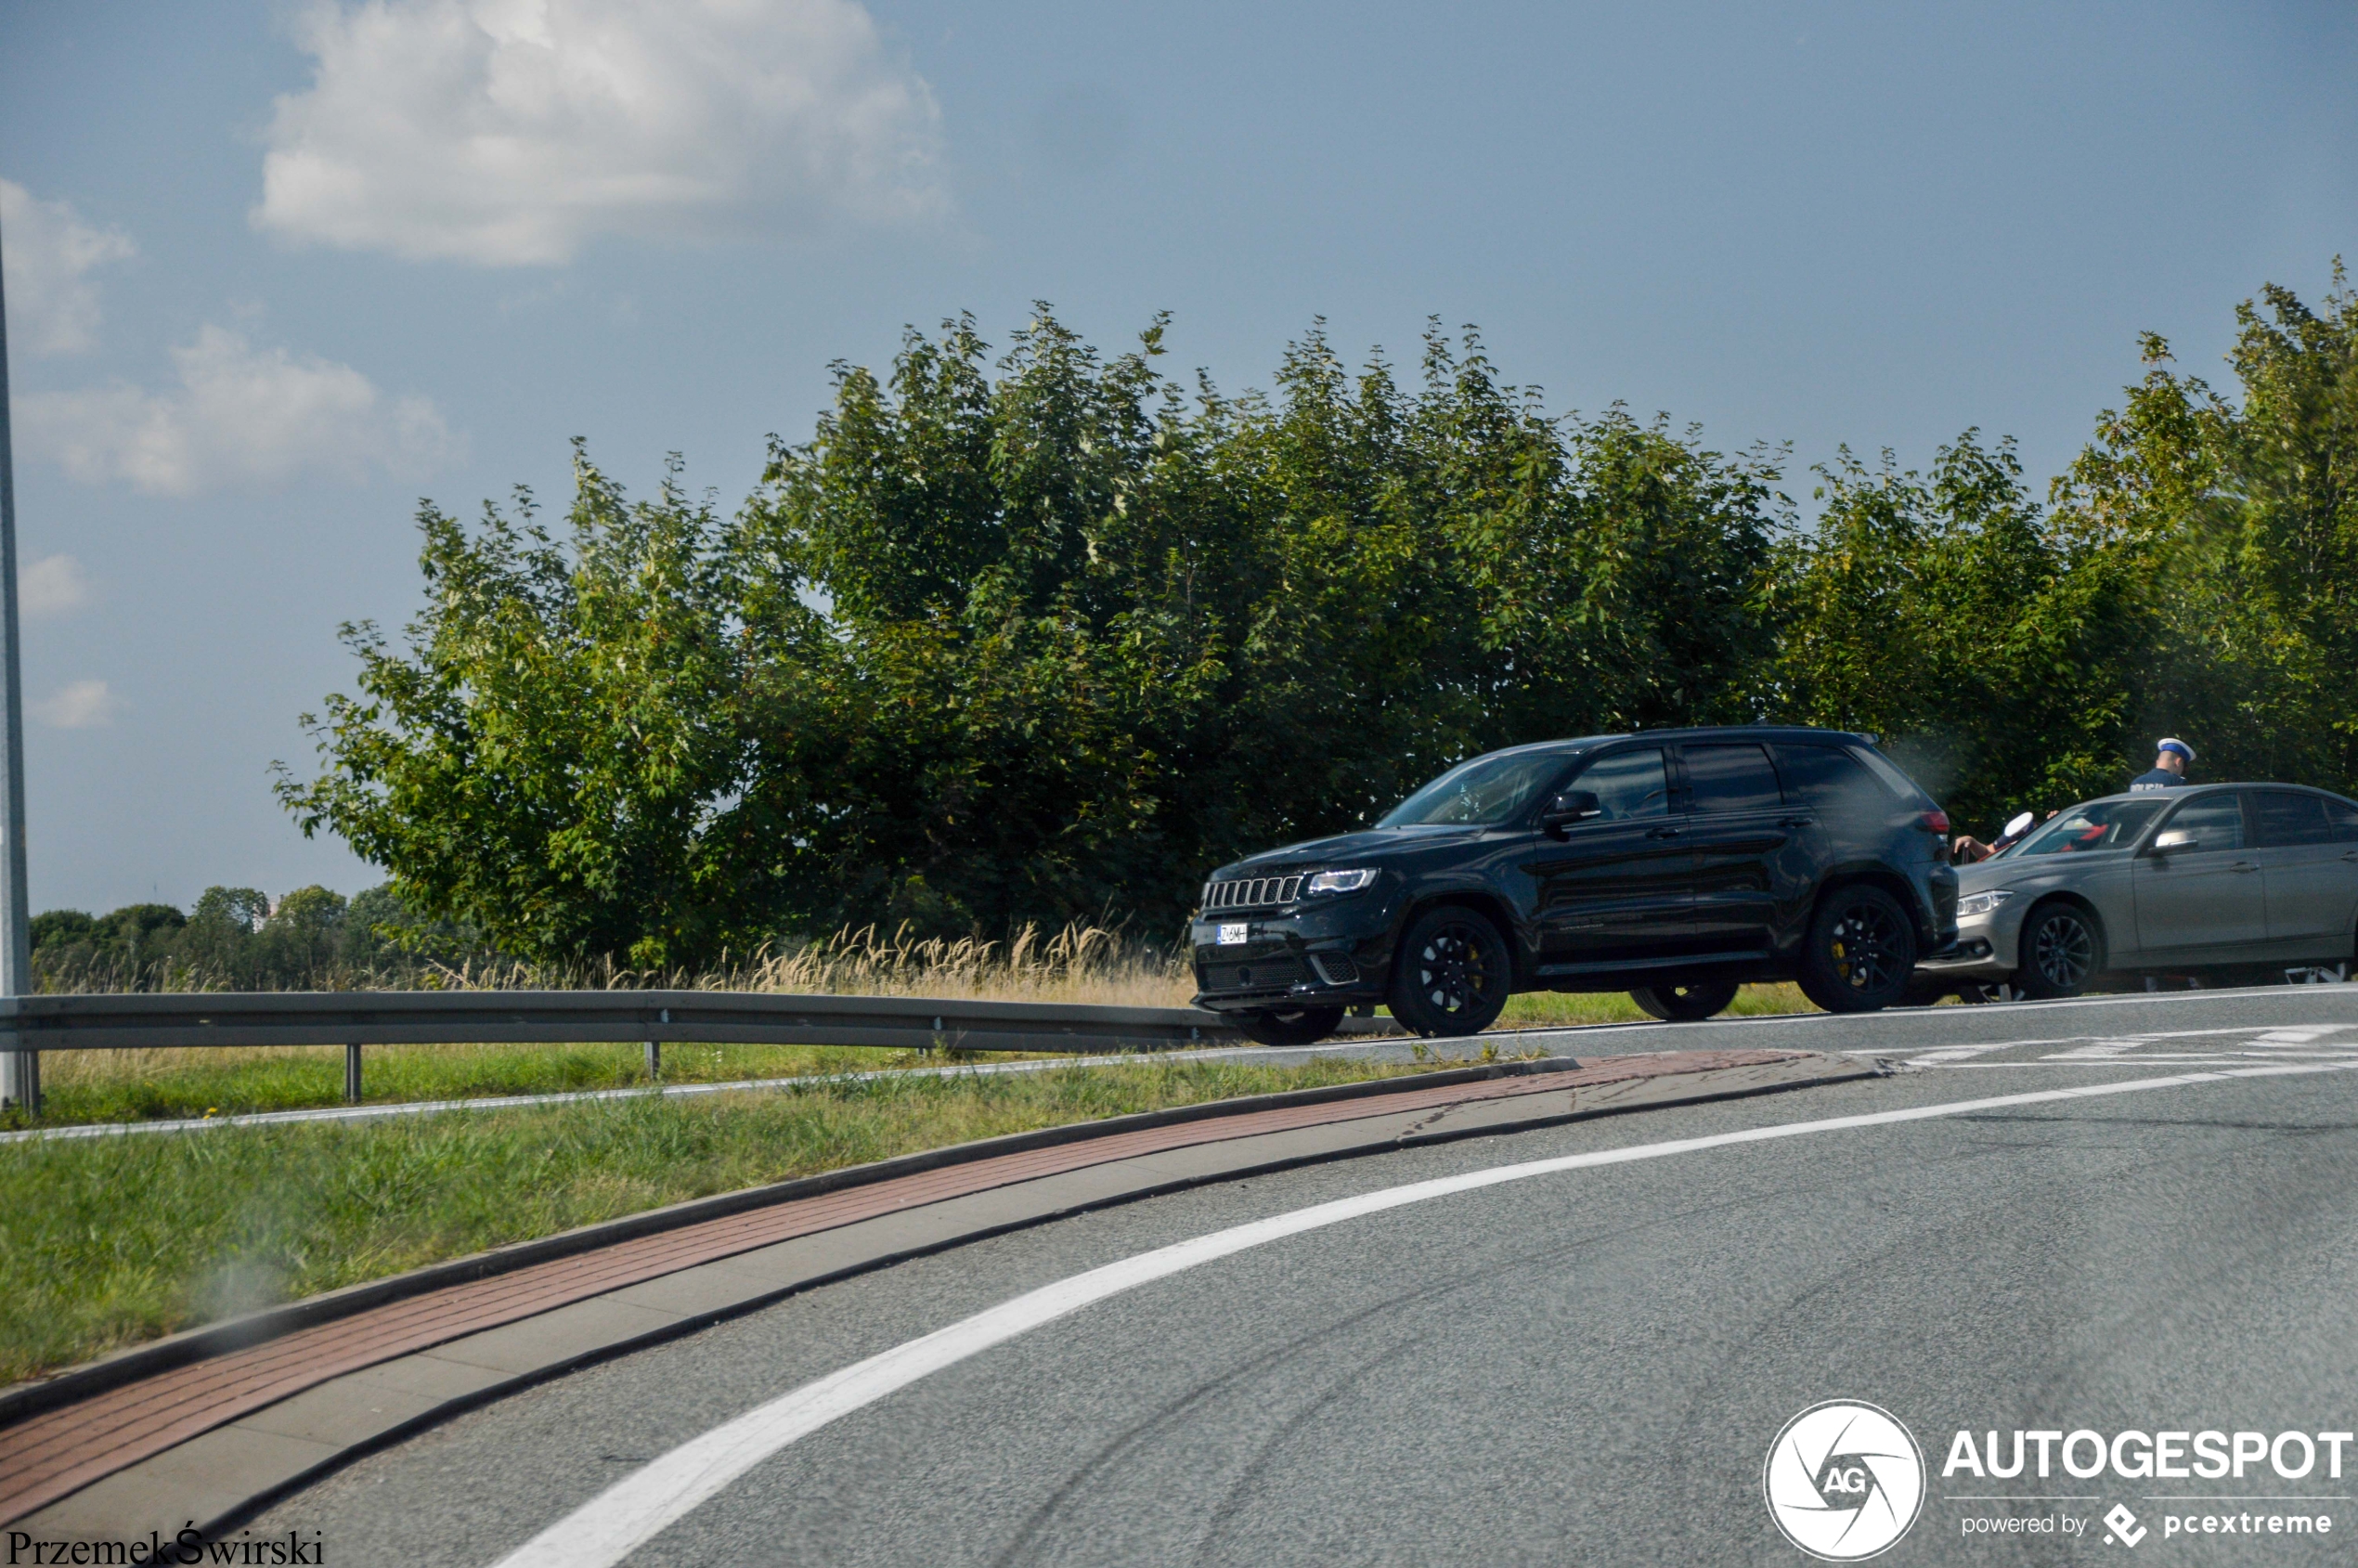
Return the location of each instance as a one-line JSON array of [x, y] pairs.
[[2168, 768]]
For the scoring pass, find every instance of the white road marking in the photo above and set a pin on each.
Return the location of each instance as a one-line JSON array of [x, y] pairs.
[[1948, 1054], [2103, 1048], [635, 1510], [1925, 1052], [2138, 1064], [2298, 1034]]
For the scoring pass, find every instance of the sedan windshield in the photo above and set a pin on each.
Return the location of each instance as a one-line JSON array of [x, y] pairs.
[[2103, 824], [1487, 791]]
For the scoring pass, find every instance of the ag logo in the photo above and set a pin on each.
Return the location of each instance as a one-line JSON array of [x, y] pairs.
[[1844, 1481]]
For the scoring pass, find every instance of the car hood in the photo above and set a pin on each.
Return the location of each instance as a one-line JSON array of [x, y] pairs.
[[2042, 870], [1375, 845]]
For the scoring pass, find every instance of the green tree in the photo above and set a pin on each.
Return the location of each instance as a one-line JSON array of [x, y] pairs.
[[2242, 520], [1951, 614], [1029, 640], [562, 757]]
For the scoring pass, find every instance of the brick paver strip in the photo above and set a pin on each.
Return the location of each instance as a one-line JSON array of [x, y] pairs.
[[52, 1453]]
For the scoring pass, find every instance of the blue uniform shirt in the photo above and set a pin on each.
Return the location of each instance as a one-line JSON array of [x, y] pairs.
[[2159, 778]]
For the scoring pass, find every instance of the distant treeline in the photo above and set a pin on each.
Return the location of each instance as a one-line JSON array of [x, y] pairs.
[[235, 939], [1054, 635]]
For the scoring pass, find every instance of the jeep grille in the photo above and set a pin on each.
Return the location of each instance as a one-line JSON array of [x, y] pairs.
[[1253, 892]]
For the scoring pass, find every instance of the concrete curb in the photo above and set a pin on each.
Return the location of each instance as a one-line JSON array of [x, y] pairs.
[[226, 1473]]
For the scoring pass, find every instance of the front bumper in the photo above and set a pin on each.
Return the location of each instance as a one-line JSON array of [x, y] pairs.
[[1318, 952], [1984, 948]]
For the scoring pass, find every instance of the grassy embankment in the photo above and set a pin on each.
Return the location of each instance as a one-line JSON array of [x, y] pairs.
[[1082, 965], [113, 1240], [95, 1086]]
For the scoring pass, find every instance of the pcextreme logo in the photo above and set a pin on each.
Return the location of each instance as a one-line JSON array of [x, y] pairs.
[[1843, 1479]]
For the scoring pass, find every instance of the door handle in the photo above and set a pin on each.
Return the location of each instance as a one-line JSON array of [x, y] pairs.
[[2351, 855], [1812, 822], [2243, 866], [1662, 833]]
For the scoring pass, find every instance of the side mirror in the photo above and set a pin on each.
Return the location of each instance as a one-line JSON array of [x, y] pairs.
[[2176, 838], [1572, 805]]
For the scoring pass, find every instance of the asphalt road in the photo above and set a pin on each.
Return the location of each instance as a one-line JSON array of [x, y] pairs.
[[1583, 1366]]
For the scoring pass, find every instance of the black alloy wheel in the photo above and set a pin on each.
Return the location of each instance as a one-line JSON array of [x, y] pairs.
[[1685, 1001], [2061, 951], [1297, 1026], [1860, 952], [1453, 974]]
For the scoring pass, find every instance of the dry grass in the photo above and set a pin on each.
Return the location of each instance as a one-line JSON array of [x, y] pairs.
[[1080, 963]]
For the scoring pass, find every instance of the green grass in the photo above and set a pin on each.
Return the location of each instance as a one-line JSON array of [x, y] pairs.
[[113, 1240], [79, 1087], [1542, 1010]]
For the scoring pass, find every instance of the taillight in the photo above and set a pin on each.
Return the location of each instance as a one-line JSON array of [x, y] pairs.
[[1934, 820]]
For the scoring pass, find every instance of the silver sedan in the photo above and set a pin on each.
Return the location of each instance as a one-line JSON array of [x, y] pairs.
[[2236, 882]]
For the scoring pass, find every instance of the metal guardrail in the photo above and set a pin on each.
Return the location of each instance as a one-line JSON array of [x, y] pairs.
[[353, 1019]]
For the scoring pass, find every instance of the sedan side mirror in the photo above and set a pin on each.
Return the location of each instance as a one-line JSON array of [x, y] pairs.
[[2176, 838], [1572, 805]]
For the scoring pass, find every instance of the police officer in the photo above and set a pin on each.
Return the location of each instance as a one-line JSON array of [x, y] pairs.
[[2168, 768]]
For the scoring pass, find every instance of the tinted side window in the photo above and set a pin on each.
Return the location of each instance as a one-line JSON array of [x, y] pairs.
[[1831, 780], [2288, 818], [2215, 821], [1628, 783], [1731, 778], [2343, 815]]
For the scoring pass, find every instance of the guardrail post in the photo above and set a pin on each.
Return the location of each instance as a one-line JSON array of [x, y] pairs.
[[23, 1086], [351, 1075], [654, 1060]]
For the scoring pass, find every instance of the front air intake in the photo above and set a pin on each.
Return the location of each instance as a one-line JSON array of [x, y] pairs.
[[1336, 969]]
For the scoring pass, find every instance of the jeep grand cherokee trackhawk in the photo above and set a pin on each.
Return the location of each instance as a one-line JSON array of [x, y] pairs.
[[1675, 864]]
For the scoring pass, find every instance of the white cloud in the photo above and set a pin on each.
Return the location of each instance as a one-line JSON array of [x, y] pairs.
[[78, 704], [47, 250], [239, 415], [509, 131], [52, 586]]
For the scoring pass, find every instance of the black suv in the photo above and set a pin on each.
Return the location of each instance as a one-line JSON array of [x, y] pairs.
[[1675, 864]]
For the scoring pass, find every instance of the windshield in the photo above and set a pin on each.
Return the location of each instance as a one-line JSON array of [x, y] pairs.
[[2103, 824], [1487, 791]]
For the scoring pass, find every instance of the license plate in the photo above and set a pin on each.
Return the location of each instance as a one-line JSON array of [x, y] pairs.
[[1235, 935]]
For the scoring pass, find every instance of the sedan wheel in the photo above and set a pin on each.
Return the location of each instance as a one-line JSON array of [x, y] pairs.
[[2061, 951]]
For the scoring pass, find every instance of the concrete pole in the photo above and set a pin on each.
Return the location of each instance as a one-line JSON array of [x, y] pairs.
[[19, 1070]]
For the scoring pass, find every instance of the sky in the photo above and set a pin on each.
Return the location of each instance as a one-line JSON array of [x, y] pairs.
[[277, 271]]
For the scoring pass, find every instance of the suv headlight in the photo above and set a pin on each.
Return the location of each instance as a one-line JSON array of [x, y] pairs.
[[1973, 904], [1340, 881]]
